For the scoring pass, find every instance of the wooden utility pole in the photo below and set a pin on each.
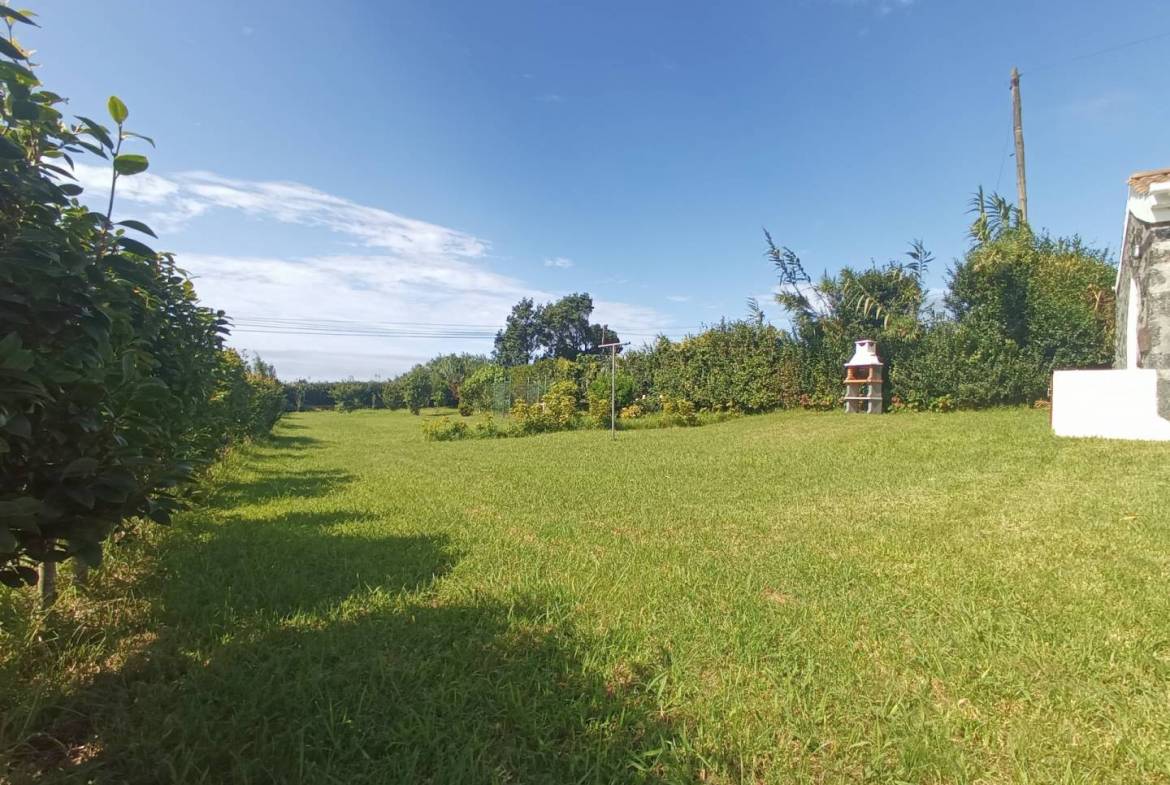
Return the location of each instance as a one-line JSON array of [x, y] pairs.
[[1018, 127]]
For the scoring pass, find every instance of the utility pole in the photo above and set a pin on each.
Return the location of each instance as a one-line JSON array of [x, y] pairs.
[[613, 347], [1018, 127]]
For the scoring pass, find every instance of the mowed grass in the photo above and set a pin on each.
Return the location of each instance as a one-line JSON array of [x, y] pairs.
[[796, 597]]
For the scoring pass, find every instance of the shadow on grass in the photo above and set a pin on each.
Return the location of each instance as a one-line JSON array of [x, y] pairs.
[[462, 693], [287, 441], [284, 650], [279, 484]]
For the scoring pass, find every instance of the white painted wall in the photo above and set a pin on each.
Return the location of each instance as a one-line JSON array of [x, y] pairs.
[[1152, 206], [1119, 404], [1131, 325]]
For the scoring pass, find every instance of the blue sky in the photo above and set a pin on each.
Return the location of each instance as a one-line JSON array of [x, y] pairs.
[[432, 162]]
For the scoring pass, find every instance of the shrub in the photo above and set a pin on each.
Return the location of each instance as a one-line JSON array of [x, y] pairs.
[[465, 409], [678, 412], [554, 412], [965, 366], [488, 429], [631, 412], [623, 388], [530, 418], [114, 383], [599, 410], [392, 397], [560, 404], [348, 396], [479, 389], [444, 429], [416, 389]]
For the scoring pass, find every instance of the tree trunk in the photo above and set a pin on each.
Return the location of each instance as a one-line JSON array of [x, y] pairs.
[[80, 573], [48, 584]]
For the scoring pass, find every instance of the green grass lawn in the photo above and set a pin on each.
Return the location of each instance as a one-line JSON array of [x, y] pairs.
[[795, 597]]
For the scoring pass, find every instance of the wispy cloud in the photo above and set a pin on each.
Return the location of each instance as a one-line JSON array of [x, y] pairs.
[[551, 98], [1105, 105], [176, 199], [386, 268], [678, 298], [880, 7]]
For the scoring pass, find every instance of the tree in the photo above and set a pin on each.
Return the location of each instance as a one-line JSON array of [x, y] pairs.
[[556, 330], [448, 374], [517, 342], [416, 388], [349, 396]]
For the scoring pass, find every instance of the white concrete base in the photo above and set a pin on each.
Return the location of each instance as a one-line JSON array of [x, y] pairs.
[[1108, 404]]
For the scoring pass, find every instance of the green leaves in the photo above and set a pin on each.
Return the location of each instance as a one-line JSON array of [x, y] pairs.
[[10, 150], [118, 110], [97, 131], [16, 16], [135, 247], [112, 375], [81, 467], [130, 163], [9, 49], [138, 226], [132, 135]]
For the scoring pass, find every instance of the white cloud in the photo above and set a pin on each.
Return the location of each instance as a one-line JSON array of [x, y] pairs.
[[1110, 104], [413, 289], [559, 261], [678, 298], [177, 199], [882, 7]]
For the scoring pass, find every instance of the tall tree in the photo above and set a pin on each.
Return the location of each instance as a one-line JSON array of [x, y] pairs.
[[564, 329], [516, 343], [559, 329]]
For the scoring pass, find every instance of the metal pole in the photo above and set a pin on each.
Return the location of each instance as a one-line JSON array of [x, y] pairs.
[[613, 347], [613, 392]]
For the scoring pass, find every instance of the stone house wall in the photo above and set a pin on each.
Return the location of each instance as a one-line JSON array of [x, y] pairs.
[[1145, 259]]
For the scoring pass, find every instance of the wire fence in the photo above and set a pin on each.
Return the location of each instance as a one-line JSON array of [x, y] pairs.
[[504, 395]]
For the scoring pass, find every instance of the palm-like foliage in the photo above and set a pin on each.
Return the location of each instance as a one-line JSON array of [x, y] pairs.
[[994, 216]]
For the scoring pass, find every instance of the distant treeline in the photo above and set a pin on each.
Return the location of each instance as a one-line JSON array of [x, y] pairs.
[[1016, 306]]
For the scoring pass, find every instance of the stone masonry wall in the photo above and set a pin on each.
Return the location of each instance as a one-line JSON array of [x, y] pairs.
[[1146, 259]]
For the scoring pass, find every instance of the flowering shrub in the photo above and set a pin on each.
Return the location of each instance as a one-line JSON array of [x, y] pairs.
[[444, 429], [678, 411], [599, 410]]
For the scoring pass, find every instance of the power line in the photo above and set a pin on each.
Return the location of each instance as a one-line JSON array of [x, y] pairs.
[[1097, 52], [416, 330], [1002, 160]]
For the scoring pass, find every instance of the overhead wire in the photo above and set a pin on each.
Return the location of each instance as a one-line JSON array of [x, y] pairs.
[[417, 330], [1097, 52]]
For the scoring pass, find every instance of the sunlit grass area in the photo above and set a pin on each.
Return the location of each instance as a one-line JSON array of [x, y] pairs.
[[795, 597]]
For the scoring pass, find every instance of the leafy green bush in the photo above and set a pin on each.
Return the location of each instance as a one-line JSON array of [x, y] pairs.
[[733, 363], [678, 411], [560, 404], [416, 389], [444, 429], [479, 388], [599, 409], [114, 383], [350, 396], [623, 386], [488, 429], [968, 365]]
